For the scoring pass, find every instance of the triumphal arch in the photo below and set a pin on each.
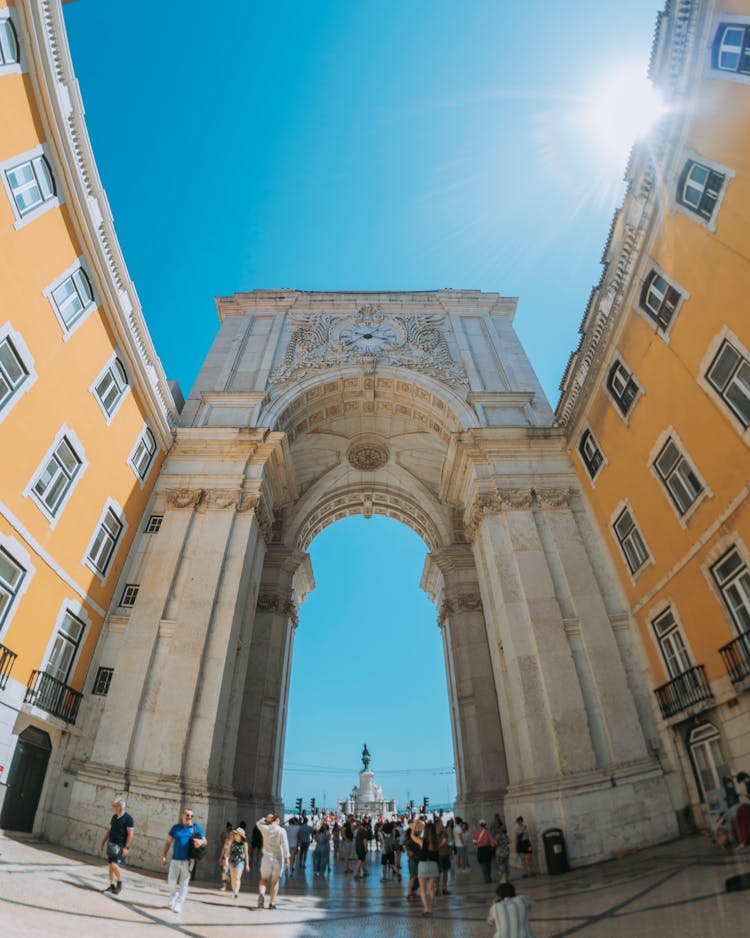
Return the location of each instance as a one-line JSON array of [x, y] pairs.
[[423, 407]]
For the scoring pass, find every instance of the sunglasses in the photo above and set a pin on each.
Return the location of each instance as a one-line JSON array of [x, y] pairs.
[[188, 814]]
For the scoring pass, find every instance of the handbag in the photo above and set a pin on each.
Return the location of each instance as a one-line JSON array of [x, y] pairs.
[[196, 853]]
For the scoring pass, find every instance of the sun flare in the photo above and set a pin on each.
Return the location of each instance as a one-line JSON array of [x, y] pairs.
[[623, 109]]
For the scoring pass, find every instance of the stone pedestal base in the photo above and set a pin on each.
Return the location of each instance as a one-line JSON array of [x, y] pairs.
[[599, 814]]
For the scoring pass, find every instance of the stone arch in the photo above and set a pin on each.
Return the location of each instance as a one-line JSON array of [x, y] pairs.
[[430, 413]]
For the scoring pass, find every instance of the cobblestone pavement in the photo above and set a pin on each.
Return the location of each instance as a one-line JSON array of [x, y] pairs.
[[673, 890]]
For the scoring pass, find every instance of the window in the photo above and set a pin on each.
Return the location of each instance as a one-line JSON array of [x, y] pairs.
[[31, 184], [154, 524], [591, 455], [105, 540], [9, 53], [11, 577], [699, 188], [622, 386], [659, 298], [64, 650], [630, 541], [56, 479], [72, 297], [676, 657], [102, 681], [733, 579], [110, 387], [712, 767], [731, 50], [13, 373], [729, 374], [129, 594], [143, 454], [678, 476]]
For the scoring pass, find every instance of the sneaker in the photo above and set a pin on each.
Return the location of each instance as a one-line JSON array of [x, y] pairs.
[[118, 887], [260, 902], [271, 905]]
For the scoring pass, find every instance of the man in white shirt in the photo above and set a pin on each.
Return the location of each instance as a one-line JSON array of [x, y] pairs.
[[275, 858]]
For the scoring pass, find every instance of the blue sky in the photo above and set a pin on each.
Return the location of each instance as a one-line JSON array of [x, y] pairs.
[[344, 145]]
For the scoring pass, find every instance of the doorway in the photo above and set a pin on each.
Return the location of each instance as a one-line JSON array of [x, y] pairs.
[[25, 780]]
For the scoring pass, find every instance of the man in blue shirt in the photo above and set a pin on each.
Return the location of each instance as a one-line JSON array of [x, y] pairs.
[[304, 836], [179, 838]]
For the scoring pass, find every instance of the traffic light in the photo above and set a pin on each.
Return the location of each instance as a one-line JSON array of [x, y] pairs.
[[299, 805], [426, 803], [312, 805]]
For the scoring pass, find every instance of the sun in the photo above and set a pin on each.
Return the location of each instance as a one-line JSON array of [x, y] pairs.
[[622, 110]]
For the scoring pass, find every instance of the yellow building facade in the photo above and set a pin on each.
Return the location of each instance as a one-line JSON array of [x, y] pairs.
[[656, 399], [86, 413]]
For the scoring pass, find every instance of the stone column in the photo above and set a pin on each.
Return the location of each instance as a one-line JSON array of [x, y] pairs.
[[169, 729], [580, 757], [257, 771], [481, 773]]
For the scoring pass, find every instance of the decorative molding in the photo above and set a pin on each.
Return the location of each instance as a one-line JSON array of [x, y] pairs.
[[552, 498], [515, 499], [458, 603], [368, 455], [323, 341], [185, 498], [278, 603], [222, 499]]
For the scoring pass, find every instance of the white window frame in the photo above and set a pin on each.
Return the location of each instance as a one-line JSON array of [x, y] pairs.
[[712, 71], [727, 407], [112, 363], [143, 437], [21, 557], [129, 595], [55, 201], [69, 329], [154, 523], [592, 478], [621, 508], [80, 453], [712, 350], [116, 509], [60, 638], [684, 458], [13, 68], [742, 574], [691, 155], [669, 649], [618, 360], [650, 268], [8, 333]]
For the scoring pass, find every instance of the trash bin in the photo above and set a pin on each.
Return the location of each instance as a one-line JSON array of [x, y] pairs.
[[554, 851]]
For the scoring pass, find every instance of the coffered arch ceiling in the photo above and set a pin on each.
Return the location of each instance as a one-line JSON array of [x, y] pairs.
[[369, 443]]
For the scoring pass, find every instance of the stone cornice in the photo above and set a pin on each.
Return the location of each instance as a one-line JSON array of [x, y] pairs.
[[59, 101], [278, 602], [651, 167]]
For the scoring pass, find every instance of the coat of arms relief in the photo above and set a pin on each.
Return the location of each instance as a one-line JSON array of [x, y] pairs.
[[323, 341]]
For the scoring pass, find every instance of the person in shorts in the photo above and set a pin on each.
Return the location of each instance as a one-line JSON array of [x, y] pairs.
[[117, 840], [275, 858]]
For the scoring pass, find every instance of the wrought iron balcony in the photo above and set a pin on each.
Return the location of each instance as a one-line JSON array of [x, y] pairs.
[[736, 657], [7, 657], [686, 691], [47, 693]]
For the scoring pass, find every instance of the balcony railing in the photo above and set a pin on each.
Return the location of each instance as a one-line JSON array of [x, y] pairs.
[[684, 691], [736, 657], [47, 693], [7, 657]]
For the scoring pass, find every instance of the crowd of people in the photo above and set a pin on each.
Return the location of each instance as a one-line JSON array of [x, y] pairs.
[[435, 847]]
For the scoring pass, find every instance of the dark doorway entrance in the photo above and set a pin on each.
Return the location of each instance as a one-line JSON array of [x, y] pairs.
[[25, 780]]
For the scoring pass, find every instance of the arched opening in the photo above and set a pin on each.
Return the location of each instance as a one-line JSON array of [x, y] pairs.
[[368, 667]]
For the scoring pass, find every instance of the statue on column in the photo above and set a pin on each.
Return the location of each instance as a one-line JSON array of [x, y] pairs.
[[365, 757]]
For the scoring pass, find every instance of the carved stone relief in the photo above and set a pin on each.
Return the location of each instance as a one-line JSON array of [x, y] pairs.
[[185, 498], [368, 455], [323, 341]]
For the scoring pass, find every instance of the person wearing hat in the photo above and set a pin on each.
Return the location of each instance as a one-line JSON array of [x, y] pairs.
[[485, 844], [235, 855]]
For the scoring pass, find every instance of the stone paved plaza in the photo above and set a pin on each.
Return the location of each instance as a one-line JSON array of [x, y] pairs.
[[674, 890]]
